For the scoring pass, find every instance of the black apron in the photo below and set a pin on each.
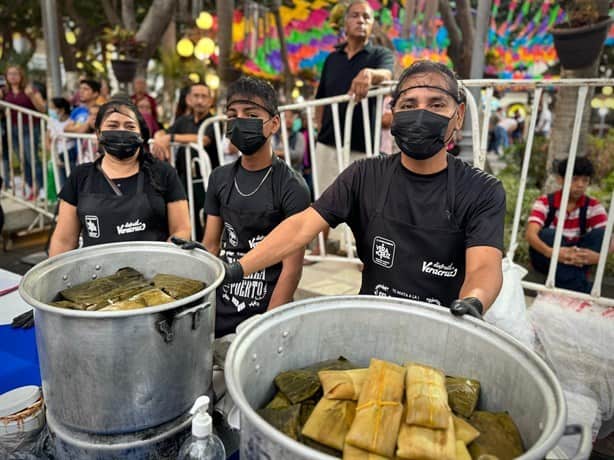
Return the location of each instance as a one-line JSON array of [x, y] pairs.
[[243, 230], [410, 261], [115, 218]]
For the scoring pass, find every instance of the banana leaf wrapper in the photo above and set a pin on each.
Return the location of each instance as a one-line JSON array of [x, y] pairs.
[[427, 398], [354, 453], [379, 411], [279, 401], [420, 443], [499, 436], [125, 305], [286, 420], [343, 384], [99, 291], [153, 297], [461, 451], [464, 431], [67, 304], [330, 422], [321, 447], [463, 395], [177, 287], [301, 384], [307, 408]]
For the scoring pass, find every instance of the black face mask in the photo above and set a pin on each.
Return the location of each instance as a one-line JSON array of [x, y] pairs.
[[246, 134], [119, 143], [420, 133]]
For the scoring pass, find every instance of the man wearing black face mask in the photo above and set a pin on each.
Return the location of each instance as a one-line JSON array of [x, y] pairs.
[[427, 226], [246, 200]]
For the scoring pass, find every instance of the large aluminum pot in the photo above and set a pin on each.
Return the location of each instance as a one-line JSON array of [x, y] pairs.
[[513, 378], [125, 371]]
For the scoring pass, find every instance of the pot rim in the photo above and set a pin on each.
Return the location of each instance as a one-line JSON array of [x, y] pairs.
[[133, 246], [561, 30], [269, 320]]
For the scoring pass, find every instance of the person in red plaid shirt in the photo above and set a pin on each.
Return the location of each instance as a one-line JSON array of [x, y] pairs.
[[583, 230]]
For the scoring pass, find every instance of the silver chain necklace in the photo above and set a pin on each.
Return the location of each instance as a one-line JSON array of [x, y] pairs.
[[247, 195]]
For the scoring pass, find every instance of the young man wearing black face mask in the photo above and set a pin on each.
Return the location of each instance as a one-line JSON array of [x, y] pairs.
[[246, 200], [428, 226]]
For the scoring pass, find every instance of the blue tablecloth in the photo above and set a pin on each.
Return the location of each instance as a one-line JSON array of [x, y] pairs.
[[18, 358]]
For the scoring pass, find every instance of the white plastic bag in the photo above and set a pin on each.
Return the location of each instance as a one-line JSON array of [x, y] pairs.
[[509, 311], [575, 337]]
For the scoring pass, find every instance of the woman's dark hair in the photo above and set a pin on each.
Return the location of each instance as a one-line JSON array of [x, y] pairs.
[[61, 103], [250, 87], [422, 67], [123, 105], [582, 167]]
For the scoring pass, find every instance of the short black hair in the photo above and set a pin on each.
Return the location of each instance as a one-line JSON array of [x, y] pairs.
[[582, 167], [200, 83], [424, 66], [250, 87], [93, 84], [61, 103]]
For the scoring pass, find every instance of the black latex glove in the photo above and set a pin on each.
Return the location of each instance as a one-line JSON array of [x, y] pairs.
[[24, 321], [233, 272], [467, 306]]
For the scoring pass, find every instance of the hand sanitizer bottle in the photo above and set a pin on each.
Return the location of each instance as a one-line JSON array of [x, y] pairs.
[[203, 444]]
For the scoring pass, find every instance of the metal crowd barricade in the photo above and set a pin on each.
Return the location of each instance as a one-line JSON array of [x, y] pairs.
[[15, 187], [537, 88], [85, 148]]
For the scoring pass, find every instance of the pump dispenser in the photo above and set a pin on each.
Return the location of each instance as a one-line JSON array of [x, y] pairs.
[[203, 444]]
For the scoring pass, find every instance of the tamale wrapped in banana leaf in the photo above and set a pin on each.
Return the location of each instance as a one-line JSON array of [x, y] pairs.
[[130, 304], [98, 293], [307, 408], [301, 384], [379, 410], [176, 286], [321, 447], [463, 395], [153, 297], [343, 384], [464, 431], [420, 443], [67, 304], [330, 421], [286, 420], [427, 399], [461, 451], [499, 436], [354, 453], [279, 401]]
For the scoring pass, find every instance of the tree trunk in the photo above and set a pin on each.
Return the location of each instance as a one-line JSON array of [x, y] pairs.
[[563, 117], [429, 13], [157, 19], [288, 77], [225, 10], [410, 12], [169, 39], [128, 14], [465, 22], [110, 13], [454, 32]]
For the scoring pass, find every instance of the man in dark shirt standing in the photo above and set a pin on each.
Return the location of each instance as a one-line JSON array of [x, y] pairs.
[[352, 68], [184, 131]]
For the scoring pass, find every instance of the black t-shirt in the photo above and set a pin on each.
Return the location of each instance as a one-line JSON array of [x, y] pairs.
[[165, 176], [417, 199], [185, 124], [337, 75], [294, 192]]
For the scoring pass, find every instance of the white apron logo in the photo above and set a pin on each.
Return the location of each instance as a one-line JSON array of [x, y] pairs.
[[383, 251], [439, 269], [232, 235], [93, 226], [131, 227]]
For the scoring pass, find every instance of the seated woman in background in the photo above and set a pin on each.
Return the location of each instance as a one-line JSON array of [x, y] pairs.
[[126, 194]]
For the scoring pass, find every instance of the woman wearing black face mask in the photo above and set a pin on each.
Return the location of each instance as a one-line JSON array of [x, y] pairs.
[[427, 226], [125, 195], [246, 200]]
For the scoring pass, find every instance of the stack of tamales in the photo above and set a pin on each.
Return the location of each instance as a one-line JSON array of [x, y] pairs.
[[388, 411]]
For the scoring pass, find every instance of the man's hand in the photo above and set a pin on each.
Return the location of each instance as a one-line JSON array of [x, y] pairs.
[[572, 256], [361, 84], [161, 147], [467, 306]]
